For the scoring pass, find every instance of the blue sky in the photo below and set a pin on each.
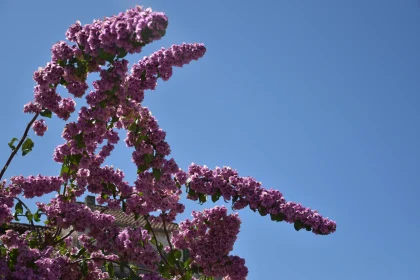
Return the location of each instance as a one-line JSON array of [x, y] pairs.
[[318, 99]]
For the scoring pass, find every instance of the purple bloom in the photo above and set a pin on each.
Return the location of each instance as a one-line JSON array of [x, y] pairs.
[[39, 127]]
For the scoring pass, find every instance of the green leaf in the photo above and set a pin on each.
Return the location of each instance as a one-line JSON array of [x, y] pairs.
[[16, 217], [27, 146], [75, 159], [29, 215], [277, 217], [111, 123], [3, 250], [62, 63], [195, 269], [84, 267], [171, 258], [37, 216], [191, 192], [187, 276], [63, 82], [164, 270], [177, 254], [132, 126], [64, 170], [187, 263], [19, 208], [81, 252], [110, 269], [46, 113], [121, 53], [149, 229], [235, 198], [142, 168], [215, 197], [202, 198], [174, 256], [32, 243], [262, 211], [159, 245], [157, 173], [124, 206], [79, 140], [11, 144], [13, 255], [308, 228], [106, 56], [148, 158], [298, 225]]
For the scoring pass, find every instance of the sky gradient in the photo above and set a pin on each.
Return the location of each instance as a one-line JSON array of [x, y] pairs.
[[318, 99]]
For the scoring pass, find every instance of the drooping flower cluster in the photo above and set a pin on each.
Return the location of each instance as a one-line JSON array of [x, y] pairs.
[[246, 191], [209, 237], [145, 73], [154, 190]]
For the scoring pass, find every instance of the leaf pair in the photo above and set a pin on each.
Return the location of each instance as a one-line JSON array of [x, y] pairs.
[[26, 146]]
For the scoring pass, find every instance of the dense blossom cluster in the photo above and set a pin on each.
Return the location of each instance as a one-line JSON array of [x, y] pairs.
[[246, 191], [134, 246], [40, 263], [37, 185], [209, 237], [6, 202], [39, 127], [128, 31], [115, 103], [159, 65], [67, 214], [97, 43]]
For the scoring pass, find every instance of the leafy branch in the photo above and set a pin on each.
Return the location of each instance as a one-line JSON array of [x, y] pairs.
[[16, 149]]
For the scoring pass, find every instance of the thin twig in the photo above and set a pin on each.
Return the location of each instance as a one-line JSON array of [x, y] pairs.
[[65, 236], [18, 146], [166, 233], [169, 242], [157, 246]]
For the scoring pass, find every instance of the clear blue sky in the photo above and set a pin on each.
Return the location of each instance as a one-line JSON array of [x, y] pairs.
[[318, 99]]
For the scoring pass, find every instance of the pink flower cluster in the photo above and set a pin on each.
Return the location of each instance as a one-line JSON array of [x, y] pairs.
[[65, 214], [34, 263], [145, 73], [232, 267], [246, 191], [96, 43], [154, 190], [6, 202], [39, 127], [37, 185], [209, 237], [133, 245], [128, 31]]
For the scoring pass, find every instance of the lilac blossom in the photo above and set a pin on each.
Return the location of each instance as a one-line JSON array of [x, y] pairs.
[[39, 127]]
